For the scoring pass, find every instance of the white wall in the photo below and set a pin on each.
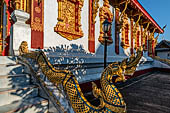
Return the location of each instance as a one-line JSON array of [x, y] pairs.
[[164, 54], [51, 38]]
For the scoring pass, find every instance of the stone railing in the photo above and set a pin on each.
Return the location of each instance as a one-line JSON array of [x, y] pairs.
[[24, 5], [167, 61], [51, 93]]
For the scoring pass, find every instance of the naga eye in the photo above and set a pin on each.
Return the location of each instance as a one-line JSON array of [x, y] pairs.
[[114, 78]]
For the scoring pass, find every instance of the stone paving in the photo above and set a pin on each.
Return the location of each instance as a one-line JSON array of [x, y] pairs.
[[148, 94]]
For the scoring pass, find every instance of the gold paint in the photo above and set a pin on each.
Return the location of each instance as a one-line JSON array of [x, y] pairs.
[[37, 20], [36, 25], [125, 24], [95, 8], [22, 5], [123, 12], [133, 62], [69, 19], [145, 33], [136, 29], [37, 10], [109, 95], [23, 48], [105, 13]]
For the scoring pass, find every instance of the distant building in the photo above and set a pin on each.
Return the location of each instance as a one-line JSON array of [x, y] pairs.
[[163, 49]]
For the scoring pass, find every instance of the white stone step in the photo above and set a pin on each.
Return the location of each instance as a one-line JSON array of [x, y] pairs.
[[10, 95], [7, 60], [12, 81], [30, 105], [10, 69]]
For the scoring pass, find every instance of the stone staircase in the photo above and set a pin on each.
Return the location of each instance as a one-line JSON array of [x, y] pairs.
[[18, 93]]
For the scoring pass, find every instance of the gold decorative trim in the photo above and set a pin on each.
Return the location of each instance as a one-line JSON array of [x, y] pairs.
[[125, 32], [95, 7], [24, 5], [105, 13], [145, 35], [69, 19], [37, 23]]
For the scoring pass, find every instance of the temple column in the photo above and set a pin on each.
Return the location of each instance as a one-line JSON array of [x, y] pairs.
[[1, 26], [131, 23], [117, 10], [141, 27], [20, 30], [93, 9]]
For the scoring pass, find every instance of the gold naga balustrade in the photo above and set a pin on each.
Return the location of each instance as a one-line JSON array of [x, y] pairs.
[[111, 100]]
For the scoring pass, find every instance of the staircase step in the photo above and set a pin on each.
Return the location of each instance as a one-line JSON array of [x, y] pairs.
[[7, 60], [30, 105], [10, 95], [10, 69], [12, 81]]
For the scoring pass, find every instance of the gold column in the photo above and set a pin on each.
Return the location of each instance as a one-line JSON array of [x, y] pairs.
[[17, 4], [24, 5], [28, 6]]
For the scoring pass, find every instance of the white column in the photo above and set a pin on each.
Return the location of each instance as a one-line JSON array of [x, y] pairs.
[[21, 31]]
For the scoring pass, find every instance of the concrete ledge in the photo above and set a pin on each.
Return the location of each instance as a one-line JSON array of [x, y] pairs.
[[31, 105]]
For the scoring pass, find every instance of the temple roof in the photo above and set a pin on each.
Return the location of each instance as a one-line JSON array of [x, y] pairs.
[[141, 8], [134, 8]]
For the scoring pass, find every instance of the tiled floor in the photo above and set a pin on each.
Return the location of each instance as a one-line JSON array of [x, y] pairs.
[[149, 94]]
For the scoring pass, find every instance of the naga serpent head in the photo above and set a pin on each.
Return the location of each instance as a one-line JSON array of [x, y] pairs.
[[24, 52], [23, 48], [116, 74]]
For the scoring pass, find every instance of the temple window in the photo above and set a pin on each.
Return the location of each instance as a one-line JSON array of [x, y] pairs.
[[125, 32], [69, 19]]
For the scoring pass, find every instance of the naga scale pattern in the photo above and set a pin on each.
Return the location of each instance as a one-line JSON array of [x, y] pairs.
[[111, 100]]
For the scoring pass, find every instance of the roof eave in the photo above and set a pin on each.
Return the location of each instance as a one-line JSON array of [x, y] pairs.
[[140, 7]]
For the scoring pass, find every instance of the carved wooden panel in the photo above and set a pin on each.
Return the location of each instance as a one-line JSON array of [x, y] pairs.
[[125, 32], [105, 13], [69, 19]]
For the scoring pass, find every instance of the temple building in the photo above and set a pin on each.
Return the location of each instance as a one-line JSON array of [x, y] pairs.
[[70, 31], [163, 49], [73, 41]]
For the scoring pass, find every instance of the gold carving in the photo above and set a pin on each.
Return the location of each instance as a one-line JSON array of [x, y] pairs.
[[36, 27], [133, 62], [123, 12], [23, 48], [22, 5], [95, 7], [145, 34], [37, 22], [37, 10], [69, 19], [105, 13], [136, 31], [125, 32], [37, 19]]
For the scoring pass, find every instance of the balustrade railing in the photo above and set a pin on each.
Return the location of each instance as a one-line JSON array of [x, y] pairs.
[[167, 61], [41, 81]]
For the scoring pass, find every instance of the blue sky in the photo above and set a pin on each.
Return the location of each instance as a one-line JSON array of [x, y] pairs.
[[160, 11]]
